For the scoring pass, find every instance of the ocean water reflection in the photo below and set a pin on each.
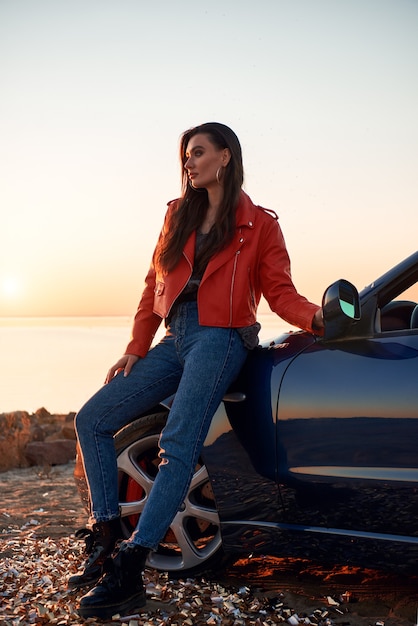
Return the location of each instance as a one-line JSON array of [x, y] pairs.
[[58, 363]]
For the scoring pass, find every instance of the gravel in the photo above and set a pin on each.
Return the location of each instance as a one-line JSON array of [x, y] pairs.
[[39, 511]]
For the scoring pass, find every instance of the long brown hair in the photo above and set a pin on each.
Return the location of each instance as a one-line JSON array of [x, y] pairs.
[[193, 203]]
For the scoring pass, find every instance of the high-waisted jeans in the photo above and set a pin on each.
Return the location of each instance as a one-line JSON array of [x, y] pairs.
[[198, 364]]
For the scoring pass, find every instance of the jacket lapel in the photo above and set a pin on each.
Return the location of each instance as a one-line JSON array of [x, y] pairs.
[[189, 248], [245, 218]]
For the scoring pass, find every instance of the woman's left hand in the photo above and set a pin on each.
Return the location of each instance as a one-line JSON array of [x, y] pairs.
[[318, 320]]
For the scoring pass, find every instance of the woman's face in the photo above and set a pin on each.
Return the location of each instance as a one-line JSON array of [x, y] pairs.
[[203, 160]]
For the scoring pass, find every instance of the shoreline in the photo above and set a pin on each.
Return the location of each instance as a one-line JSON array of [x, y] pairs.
[[66, 358]]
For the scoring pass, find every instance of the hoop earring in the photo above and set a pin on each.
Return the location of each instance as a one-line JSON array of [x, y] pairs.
[[219, 176]]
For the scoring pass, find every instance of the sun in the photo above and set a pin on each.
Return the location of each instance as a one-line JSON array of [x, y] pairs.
[[11, 287]]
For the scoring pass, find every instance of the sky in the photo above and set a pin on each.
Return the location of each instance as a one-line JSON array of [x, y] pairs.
[[95, 94]]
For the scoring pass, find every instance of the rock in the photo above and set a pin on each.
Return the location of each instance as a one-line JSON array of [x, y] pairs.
[[19, 429], [15, 433], [57, 452], [68, 430], [43, 415]]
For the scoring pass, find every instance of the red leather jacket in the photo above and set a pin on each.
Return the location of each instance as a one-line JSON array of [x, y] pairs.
[[255, 263]]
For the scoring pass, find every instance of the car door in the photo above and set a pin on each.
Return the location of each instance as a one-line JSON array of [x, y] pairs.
[[347, 435]]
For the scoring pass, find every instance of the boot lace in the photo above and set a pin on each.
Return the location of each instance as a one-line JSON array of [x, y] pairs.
[[112, 578], [117, 572], [88, 536]]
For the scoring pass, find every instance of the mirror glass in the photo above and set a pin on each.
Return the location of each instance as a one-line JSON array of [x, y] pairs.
[[348, 300], [348, 309]]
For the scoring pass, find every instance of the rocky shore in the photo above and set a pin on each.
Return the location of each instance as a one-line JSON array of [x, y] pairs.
[[37, 439]]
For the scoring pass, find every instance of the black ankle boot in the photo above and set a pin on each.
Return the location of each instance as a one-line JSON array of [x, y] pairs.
[[100, 543], [121, 590]]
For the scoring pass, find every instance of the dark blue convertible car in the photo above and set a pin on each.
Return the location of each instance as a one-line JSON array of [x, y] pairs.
[[313, 453]]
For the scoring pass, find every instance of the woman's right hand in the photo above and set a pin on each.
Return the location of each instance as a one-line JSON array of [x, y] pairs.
[[125, 364]]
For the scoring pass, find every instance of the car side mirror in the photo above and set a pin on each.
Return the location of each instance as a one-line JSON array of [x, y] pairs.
[[341, 307]]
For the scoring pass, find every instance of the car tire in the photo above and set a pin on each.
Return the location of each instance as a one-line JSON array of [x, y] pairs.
[[193, 543]]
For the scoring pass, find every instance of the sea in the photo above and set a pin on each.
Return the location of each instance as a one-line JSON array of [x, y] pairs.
[[58, 363]]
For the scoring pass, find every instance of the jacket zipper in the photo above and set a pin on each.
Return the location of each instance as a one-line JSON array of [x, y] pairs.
[[251, 289], [232, 286], [191, 272]]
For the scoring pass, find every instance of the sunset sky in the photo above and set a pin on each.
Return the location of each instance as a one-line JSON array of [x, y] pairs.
[[95, 94]]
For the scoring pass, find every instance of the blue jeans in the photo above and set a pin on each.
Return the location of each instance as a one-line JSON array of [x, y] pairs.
[[198, 364]]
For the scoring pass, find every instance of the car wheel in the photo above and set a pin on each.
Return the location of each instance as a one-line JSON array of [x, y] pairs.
[[193, 543]]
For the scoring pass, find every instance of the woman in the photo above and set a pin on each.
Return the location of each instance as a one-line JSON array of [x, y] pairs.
[[216, 255]]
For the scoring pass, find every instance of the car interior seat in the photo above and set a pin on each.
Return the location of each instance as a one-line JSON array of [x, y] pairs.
[[397, 315], [414, 318]]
